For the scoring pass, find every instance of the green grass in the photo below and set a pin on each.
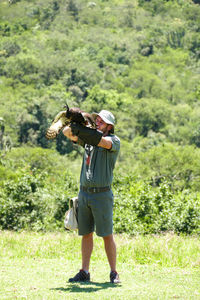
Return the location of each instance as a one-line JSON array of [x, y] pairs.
[[37, 266]]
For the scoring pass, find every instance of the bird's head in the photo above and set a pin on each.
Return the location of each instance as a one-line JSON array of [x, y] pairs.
[[67, 111]]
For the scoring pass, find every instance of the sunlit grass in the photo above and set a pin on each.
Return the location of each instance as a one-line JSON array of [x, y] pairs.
[[165, 250], [38, 265]]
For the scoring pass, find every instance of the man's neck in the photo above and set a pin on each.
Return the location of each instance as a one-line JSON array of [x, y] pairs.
[[106, 133]]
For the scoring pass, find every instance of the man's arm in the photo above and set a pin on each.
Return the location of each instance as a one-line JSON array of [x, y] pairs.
[[88, 135], [105, 142], [68, 133]]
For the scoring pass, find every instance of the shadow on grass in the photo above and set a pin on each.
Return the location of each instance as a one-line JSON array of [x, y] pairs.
[[86, 287]]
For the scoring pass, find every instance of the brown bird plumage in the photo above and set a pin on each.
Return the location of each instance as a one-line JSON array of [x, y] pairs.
[[64, 118]]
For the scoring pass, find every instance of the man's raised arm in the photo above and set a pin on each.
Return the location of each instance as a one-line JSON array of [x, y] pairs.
[[68, 133]]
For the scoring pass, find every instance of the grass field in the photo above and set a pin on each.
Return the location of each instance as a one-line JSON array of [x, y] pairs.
[[37, 266]]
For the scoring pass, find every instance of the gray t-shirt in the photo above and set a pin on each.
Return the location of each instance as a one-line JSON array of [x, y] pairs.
[[98, 164]]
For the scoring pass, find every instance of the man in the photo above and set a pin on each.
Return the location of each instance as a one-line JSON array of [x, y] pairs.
[[95, 206]]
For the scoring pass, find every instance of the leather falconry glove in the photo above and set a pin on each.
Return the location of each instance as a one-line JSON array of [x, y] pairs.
[[87, 135]]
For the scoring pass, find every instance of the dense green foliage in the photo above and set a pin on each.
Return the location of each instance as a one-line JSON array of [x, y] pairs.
[[139, 208], [40, 183], [139, 59]]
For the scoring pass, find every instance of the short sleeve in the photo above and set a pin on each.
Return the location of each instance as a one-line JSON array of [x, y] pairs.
[[115, 143]]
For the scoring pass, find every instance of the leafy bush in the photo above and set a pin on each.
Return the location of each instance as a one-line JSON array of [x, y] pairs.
[[141, 208], [176, 163], [30, 203], [10, 47], [21, 205], [37, 200]]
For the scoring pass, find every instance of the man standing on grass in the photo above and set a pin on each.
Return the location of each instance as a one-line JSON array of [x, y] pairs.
[[95, 206]]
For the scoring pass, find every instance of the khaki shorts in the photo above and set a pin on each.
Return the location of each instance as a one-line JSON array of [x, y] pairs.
[[95, 211]]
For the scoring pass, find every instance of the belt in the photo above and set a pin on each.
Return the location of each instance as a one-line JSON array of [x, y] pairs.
[[95, 189]]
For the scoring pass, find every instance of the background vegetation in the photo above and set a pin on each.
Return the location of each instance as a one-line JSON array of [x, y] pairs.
[[139, 59]]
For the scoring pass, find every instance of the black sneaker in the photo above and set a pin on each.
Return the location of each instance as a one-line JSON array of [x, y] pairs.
[[80, 277], [114, 277]]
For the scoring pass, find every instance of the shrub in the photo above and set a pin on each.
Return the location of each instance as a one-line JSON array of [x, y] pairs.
[[20, 203], [27, 203], [141, 208]]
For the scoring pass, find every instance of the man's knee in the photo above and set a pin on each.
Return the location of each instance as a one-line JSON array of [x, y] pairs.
[[108, 238], [88, 236]]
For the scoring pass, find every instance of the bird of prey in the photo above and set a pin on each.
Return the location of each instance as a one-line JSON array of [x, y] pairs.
[[64, 118]]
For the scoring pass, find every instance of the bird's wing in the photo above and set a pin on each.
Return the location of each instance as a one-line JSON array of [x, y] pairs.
[[59, 122]]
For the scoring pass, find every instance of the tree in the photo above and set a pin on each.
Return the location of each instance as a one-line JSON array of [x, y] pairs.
[[32, 126]]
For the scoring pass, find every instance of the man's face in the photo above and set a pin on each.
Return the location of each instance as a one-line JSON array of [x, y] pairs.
[[101, 125]]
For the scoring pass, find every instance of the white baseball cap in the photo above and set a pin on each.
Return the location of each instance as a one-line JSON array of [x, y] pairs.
[[106, 116]]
